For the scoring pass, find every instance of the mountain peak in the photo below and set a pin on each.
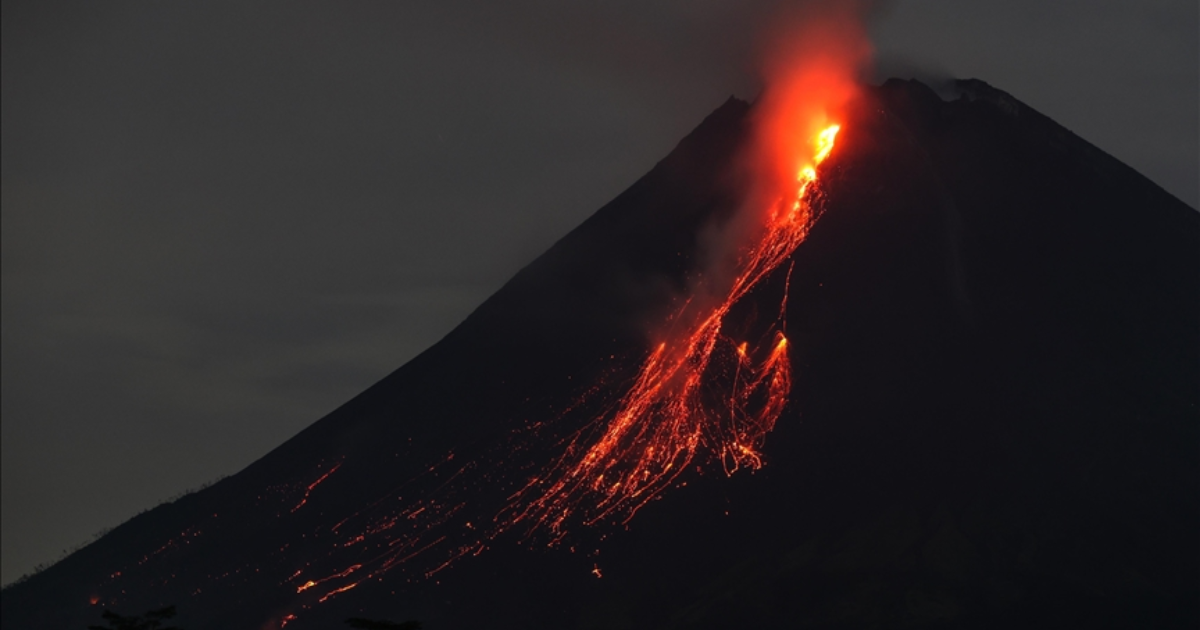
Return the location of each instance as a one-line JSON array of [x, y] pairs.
[[994, 332]]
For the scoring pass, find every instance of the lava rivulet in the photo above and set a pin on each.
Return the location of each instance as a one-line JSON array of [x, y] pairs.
[[669, 414]]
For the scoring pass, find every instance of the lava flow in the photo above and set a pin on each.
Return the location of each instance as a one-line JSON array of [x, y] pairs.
[[669, 414]]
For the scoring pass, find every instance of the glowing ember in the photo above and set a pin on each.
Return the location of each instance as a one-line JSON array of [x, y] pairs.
[[311, 583], [668, 414]]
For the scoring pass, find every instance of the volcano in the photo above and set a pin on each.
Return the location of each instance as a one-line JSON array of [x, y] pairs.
[[991, 418]]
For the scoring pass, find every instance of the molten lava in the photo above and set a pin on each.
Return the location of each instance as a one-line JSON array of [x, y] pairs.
[[669, 415]]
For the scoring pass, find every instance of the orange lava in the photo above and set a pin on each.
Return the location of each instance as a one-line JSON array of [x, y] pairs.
[[669, 414], [312, 486]]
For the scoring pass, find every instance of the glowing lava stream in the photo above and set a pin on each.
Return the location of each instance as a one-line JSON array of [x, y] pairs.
[[668, 413]]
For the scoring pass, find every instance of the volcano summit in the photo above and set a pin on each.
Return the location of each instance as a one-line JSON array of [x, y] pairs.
[[962, 393]]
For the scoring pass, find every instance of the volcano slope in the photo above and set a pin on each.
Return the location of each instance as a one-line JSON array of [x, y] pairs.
[[994, 421]]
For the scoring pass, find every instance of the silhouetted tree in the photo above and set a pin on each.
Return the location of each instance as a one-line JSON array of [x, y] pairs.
[[152, 620], [368, 624]]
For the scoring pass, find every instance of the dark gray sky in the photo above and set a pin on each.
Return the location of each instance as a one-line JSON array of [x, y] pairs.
[[223, 219]]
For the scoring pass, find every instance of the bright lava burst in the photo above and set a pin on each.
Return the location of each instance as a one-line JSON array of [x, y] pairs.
[[669, 413]]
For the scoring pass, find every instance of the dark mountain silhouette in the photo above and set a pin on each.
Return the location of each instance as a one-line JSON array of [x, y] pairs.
[[994, 421]]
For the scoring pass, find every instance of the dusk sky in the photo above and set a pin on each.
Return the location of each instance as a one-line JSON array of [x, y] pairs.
[[222, 219]]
